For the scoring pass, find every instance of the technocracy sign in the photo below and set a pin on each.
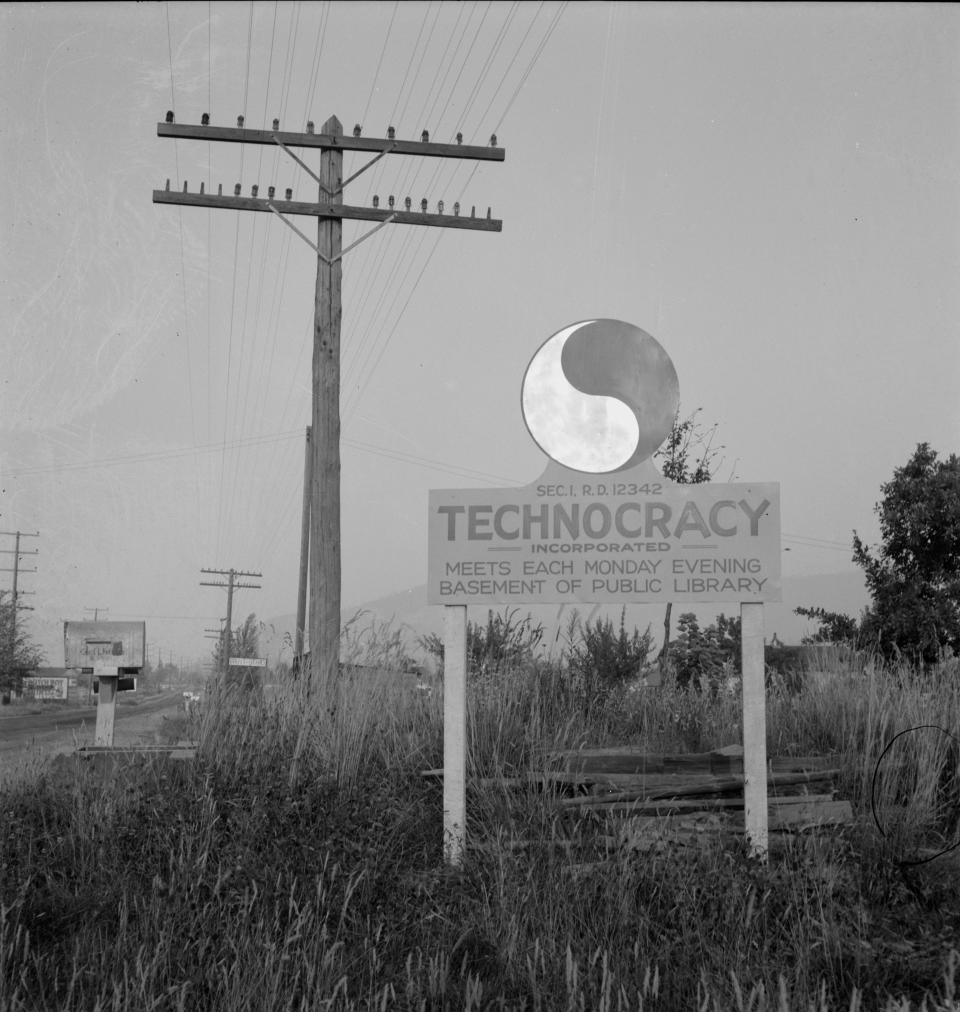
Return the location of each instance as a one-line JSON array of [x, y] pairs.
[[602, 524]]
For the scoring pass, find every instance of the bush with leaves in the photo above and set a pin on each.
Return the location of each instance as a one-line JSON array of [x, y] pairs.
[[503, 642], [703, 657], [18, 653], [601, 658]]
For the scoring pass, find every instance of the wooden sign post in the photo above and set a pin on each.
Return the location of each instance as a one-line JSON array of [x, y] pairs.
[[454, 732], [106, 708], [754, 728]]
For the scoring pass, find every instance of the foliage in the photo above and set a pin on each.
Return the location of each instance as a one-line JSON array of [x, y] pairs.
[[18, 653], [601, 658], [378, 644], [914, 574], [502, 643], [833, 626], [687, 457], [704, 657], [244, 642]]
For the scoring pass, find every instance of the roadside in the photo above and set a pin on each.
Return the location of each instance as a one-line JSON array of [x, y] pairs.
[[29, 737]]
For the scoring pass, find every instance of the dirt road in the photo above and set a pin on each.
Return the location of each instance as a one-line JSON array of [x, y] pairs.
[[30, 734]]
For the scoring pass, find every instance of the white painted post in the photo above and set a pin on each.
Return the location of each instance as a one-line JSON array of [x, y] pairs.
[[454, 732], [754, 728], [106, 709]]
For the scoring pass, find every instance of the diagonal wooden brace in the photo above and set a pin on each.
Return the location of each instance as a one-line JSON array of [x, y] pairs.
[[314, 246]]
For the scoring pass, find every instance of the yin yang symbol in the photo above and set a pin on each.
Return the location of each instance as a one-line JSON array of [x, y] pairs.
[[600, 396]]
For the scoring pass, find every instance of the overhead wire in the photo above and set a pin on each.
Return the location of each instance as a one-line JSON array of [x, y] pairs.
[[242, 405], [366, 348], [236, 252], [280, 275], [383, 51], [367, 372]]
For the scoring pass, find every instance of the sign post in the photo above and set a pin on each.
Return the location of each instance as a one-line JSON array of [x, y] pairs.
[[602, 525], [754, 728], [111, 651], [106, 709], [454, 732]]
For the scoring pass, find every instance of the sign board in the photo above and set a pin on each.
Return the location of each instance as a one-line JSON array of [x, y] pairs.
[[603, 525], [106, 647], [248, 662], [46, 688], [630, 537]]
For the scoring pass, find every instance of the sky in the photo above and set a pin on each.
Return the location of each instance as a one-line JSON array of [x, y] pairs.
[[769, 190]]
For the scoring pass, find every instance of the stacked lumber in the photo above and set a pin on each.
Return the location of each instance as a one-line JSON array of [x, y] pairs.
[[644, 801], [650, 800]]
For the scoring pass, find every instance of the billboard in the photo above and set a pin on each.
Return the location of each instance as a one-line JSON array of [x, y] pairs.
[[104, 648], [45, 688]]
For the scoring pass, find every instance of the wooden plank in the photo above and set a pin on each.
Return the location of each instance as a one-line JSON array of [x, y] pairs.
[[806, 816], [234, 203], [679, 787], [629, 760], [242, 135], [621, 812]]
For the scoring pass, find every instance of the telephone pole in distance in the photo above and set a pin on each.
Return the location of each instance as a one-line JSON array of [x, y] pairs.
[[231, 585]]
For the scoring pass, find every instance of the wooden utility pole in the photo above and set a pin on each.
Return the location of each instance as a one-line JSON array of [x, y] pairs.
[[324, 565], [16, 569], [304, 556], [231, 585]]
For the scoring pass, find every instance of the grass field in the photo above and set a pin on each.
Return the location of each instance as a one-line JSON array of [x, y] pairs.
[[296, 863]]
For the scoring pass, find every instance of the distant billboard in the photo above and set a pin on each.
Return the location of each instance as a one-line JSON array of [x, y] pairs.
[[108, 648], [46, 688]]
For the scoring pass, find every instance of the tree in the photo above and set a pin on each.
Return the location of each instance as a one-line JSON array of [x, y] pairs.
[[833, 626], [913, 576], [244, 642], [687, 458], [18, 653]]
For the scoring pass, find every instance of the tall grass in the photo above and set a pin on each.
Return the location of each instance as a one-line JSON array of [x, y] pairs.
[[296, 863]]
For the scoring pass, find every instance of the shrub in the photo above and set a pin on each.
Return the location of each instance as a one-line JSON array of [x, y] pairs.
[[704, 657], [601, 658], [504, 642]]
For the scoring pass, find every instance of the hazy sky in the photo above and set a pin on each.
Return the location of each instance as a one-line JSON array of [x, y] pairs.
[[769, 190]]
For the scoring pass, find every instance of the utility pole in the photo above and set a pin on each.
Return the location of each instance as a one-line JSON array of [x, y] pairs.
[[16, 552], [96, 613], [231, 585], [304, 557], [329, 210]]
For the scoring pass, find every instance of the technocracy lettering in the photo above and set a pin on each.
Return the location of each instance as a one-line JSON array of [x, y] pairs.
[[597, 520], [551, 543]]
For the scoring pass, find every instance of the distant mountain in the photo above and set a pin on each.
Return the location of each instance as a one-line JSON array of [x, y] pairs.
[[408, 611]]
